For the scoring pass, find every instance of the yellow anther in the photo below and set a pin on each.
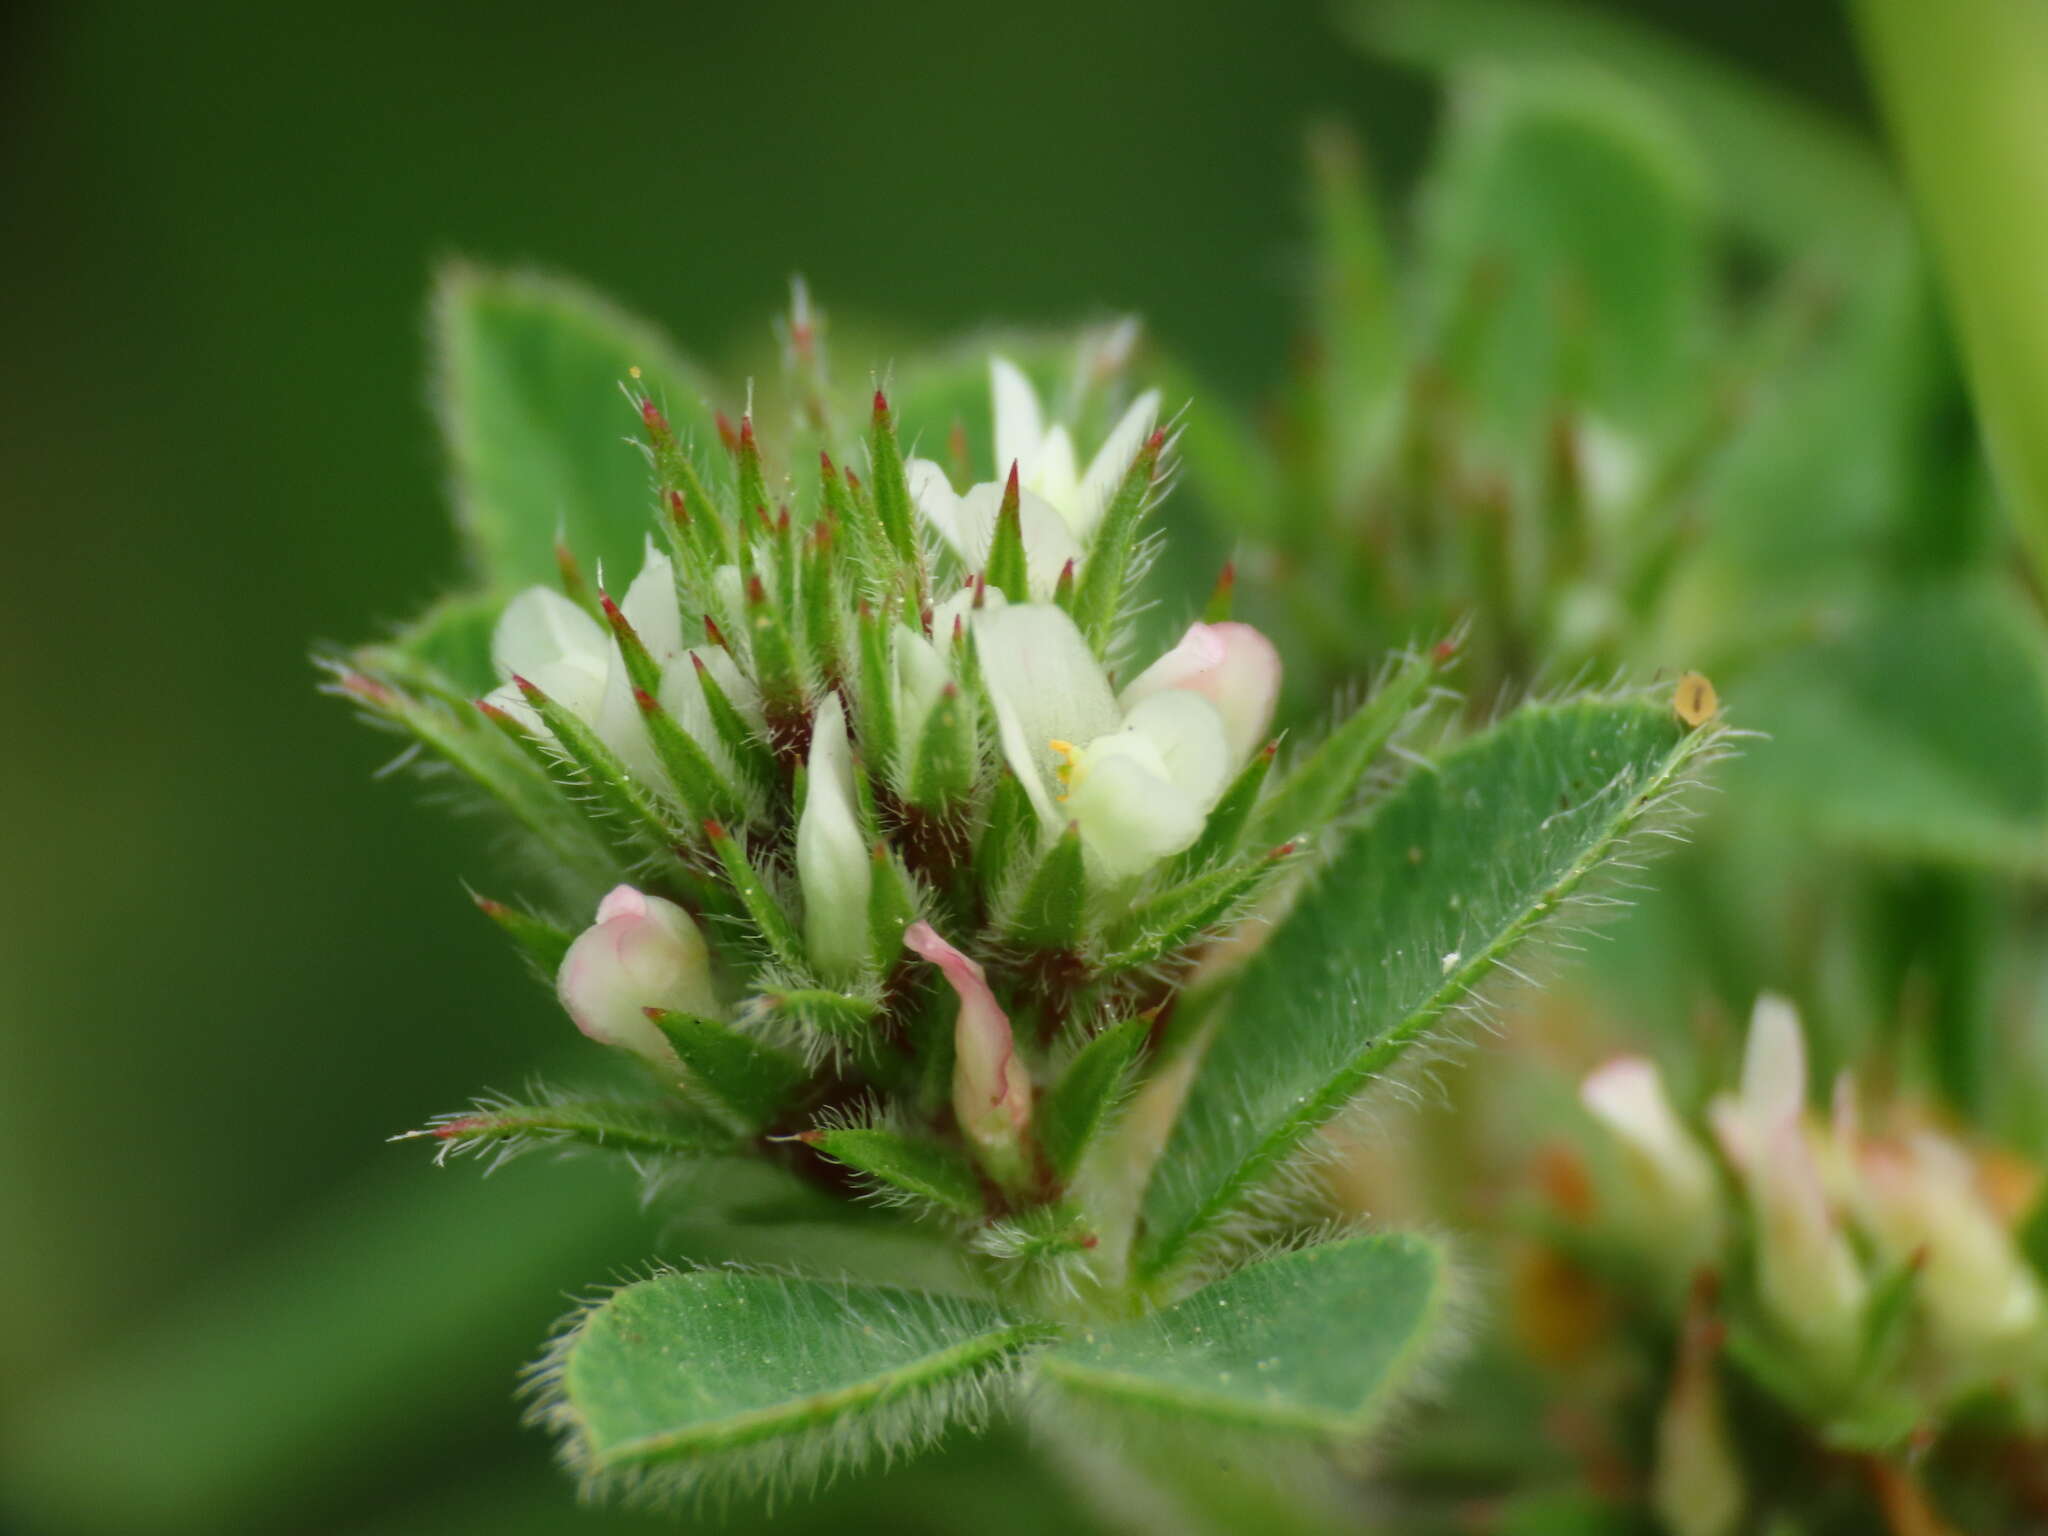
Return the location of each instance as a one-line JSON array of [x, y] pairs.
[[1065, 771]]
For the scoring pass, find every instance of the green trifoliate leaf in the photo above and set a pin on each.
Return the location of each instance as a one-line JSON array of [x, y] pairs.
[[1089, 1093], [446, 648], [747, 1082], [529, 373], [1577, 206], [1793, 176], [720, 1378], [924, 1171], [1921, 732], [1314, 1344], [1454, 870], [1357, 323]]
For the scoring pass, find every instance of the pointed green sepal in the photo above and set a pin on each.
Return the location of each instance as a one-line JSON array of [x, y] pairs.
[[891, 909], [696, 537], [922, 1170], [891, 490], [942, 767], [616, 793], [752, 483], [1223, 833], [1317, 788], [745, 1082], [540, 941], [771, 922], [1005, 569], [641, 667], [877, 696], [498, 756], [1063, 589], [1051, 909], [833, 1013], [1009, 835], [824, 605], [1105, 573], [752, 757], [1089, 1093], [1183, 915], [629, 1126], [1222, 597], [702, 784], [772, 650]]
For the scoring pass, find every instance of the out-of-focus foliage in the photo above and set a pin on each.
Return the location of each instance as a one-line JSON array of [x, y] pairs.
[[1842, 570]]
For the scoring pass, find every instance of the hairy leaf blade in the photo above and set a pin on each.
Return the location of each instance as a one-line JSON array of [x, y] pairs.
[[528, 372], [1456, 867], [688, 1378], [1313, 1343]]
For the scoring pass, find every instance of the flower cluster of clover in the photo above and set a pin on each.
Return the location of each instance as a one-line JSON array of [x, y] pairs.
[[906, 835], [1870, 1276]]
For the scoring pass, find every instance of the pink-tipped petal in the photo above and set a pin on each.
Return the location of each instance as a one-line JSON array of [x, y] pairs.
[[991, 1094], [642, 952], [1233, 666]]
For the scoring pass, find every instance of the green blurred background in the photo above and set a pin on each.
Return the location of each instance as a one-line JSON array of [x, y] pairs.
[[232, 961]]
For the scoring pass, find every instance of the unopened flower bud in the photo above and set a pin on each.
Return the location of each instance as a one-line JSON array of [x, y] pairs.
[[1920, 1199], [642, 952], [1231, 665], [1681, 1199], [1806, 1271], [1697, 1485], [991, 1093], [832, 861]]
